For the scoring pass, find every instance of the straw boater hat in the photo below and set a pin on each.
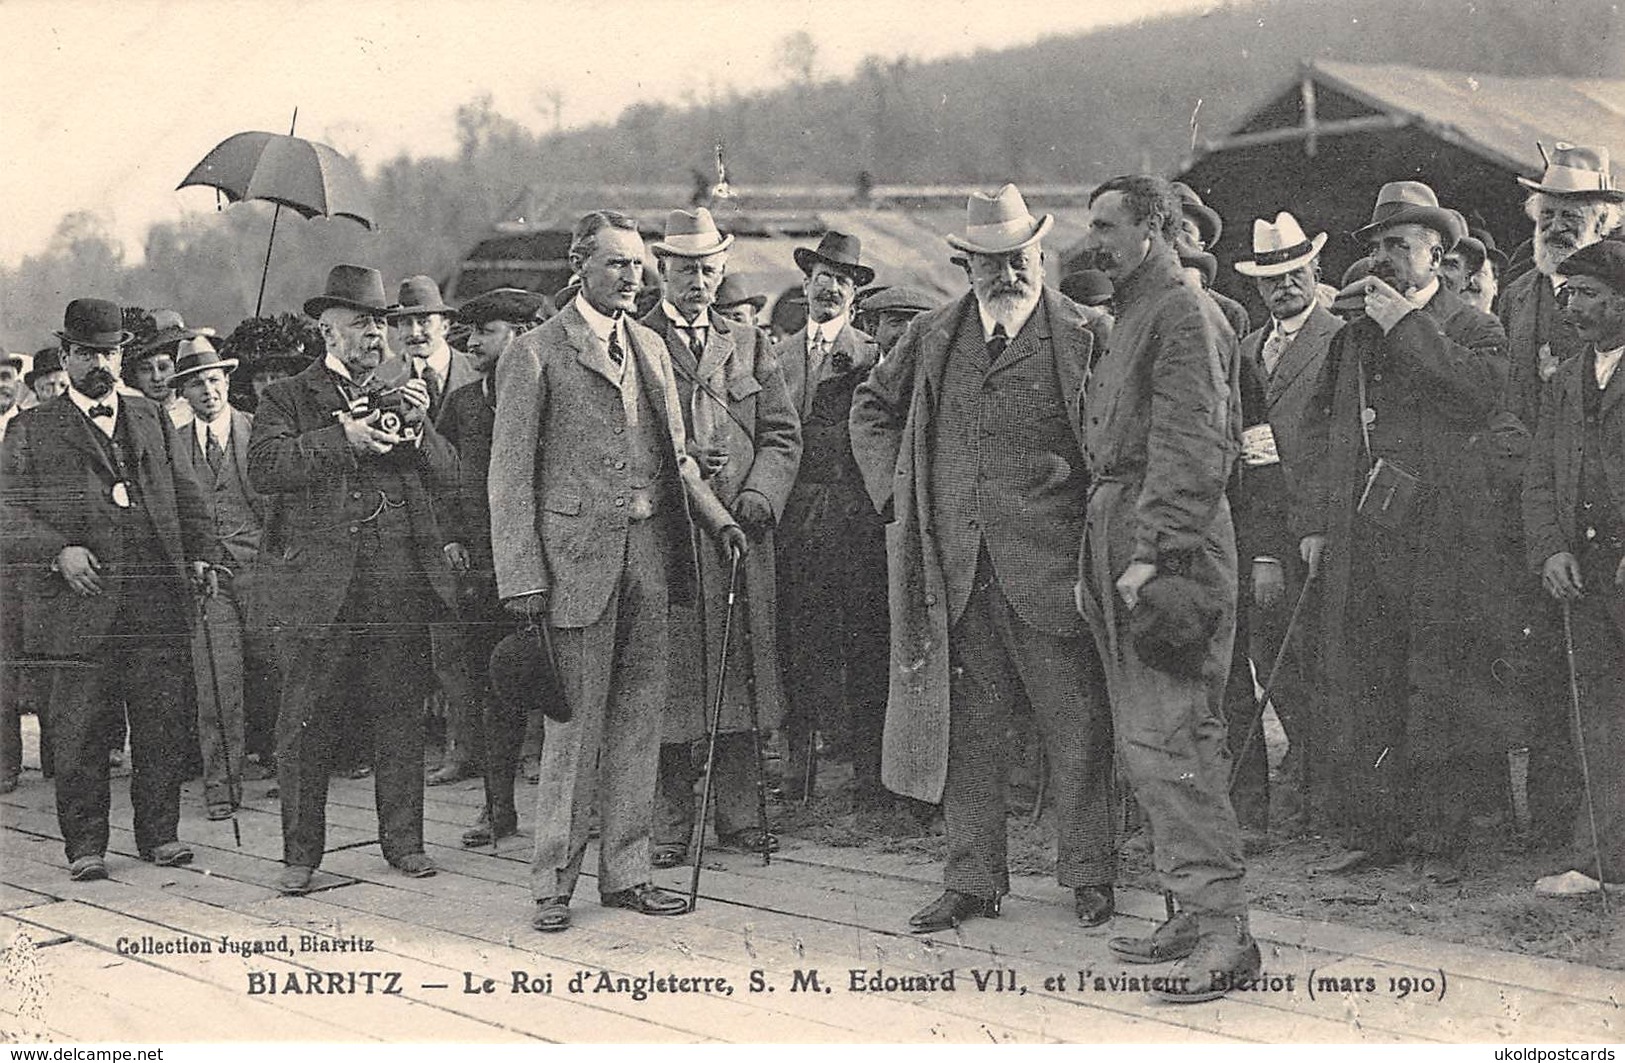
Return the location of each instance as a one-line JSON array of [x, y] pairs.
[[1576, 171], [94, 323], [196, 355], [840, 252], [999, 224], [419, 295], [1279, 247], [356, 287], [692, 235], [1412, 203]]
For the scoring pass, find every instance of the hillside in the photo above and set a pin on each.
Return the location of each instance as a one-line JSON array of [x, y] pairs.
[[1069, 109]]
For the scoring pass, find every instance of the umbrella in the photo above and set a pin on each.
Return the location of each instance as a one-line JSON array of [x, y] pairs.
[[289, 171]]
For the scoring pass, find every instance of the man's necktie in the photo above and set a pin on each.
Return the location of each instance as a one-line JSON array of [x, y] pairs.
[[616, 355], [101, 411], [214, 452], [997, 343], [1274, 344], [432, 378], [696, 341]]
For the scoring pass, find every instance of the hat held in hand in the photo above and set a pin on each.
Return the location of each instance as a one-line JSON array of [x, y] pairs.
[[525, 674], [1172, 623]]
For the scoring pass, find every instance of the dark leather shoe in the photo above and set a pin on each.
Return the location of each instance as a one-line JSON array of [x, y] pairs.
[[552, 915], [1222, 960], [294, 880], [1094, 904], [483, 833], [88, 868], [951, 909], [415, 865], [665, 856], [1173, 940], [455, 771], [169, 854], [647, 900]]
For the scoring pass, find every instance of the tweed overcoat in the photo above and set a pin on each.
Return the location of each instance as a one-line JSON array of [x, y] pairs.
[[1551, 483], [893, 422], [1532, 319], [764, 450]]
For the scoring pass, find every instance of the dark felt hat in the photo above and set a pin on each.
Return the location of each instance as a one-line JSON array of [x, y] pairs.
[[1604, 260], [198, 354], [514, 305], [419, 295], [1208, 222], [355, 287], [733, 292], [1413, 203], [94, 323], [525, 674], [1493, 253], [1202, 261], [841, 253], [1173, 622], [48, 360], [1090, 287]]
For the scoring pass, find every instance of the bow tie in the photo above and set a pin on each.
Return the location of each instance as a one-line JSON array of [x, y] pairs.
[[101, 411]]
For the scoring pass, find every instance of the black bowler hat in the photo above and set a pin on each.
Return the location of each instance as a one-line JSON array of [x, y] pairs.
[[841, 253], [94, 323], [48, 360], [525, 674]]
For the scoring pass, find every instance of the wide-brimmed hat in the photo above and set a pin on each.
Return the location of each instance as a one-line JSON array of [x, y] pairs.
[[1279, 247], [196, 355], [899, 299], [1204, 262], [841, 253], [355, 287], [1208, 222], [1412, 203], [1604, 260], [419, 295], [1088, 287], [93, 323], [170, 329], [999, 223], [1572, 170], [1493, 253], [692, 234], [734, 292], [514, 305], [48, 360]]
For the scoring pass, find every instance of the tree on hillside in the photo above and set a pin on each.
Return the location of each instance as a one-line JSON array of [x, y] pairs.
[[797, 57]]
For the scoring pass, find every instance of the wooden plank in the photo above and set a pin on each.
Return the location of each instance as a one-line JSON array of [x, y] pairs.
[[14, 897]]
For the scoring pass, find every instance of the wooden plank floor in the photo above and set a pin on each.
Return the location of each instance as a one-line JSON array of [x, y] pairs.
[[437, 944]]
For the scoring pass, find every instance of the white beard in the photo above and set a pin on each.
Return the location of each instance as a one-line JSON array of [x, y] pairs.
[[1009, 310], [1550, 259]]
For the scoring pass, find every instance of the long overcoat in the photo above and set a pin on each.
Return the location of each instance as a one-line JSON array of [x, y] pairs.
[[762, 436], [1450, 359], [894, 419]]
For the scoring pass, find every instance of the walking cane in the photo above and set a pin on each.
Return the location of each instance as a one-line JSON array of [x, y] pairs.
[[233, 787], [1580, 747], [715, 724], [1269, 686], [755, 729]]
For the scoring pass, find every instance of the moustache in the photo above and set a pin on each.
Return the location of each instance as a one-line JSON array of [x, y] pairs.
[[98, 382]]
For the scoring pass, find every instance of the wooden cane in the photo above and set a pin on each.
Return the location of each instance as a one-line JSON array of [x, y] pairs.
[[1580, 748], [715, 724]]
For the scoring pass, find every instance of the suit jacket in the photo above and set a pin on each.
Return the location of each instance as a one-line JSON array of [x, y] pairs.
[[466, 420], [1282, 400], [55, 479], [893, 424], [555, 527], [803, 373], [1532, 320], [764, 449], [298, 454], [1551, 483], [242, 430]]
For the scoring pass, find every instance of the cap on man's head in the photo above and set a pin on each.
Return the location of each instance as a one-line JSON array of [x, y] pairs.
[[1604, 260], [899, 299], [513, 305]]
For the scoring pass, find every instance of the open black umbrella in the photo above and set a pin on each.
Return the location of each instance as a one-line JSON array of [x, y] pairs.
[[292, 172]]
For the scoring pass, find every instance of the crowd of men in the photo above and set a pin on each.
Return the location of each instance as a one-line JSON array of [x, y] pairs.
[[1103, 501]]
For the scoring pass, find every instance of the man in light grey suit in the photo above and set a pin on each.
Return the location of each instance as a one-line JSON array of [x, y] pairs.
[[593, 494]]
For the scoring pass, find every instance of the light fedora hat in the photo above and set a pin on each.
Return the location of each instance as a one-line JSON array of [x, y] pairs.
[[1576, 171], [999, 223], [1412, 203], [196, 355], [692, 235], [1279, 247]]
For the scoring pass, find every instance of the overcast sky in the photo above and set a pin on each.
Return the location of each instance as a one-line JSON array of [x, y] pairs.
[[106, 104]]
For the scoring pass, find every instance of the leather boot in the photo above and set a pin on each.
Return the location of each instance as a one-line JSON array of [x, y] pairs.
[[1173, 940], [1225, 958]]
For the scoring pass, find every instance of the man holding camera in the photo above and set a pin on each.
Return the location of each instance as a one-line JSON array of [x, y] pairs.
[[593, 494], [351, 571], [1397, 519]]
